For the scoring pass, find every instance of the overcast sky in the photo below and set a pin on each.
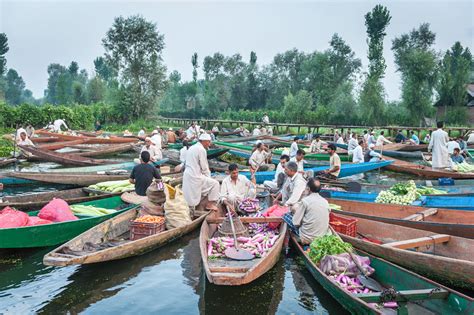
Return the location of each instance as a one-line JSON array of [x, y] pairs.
[[44, 32]]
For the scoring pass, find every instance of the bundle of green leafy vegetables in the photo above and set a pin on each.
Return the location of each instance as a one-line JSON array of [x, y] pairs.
[[327, 245]]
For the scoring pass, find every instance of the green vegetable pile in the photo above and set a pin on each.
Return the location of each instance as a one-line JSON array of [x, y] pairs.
[[327, 245], [405, 193], [401, 194], [230, 158], [464, 167], [90, 210], [114, 186]]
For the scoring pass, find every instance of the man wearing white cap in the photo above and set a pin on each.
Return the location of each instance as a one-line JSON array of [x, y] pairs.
[[156, 138], [372, 156], [197, 181], [256, 131], [155, 153]]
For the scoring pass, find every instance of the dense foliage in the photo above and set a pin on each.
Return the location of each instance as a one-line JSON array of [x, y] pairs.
[[129, 82]]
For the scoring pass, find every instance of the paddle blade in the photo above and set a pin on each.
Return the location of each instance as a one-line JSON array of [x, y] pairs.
[[238, 254], [370, 283]]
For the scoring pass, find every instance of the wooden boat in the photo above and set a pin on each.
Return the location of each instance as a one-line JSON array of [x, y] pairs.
[[423, 295], [59, 145], [276, 159], [438, 220], [78, 179], [128, 166], [112, 149], [433, 201], [38, 200], [391, 153], [232, 272], [347, 169], [308, 156], [88, 140], [441, 257], [425, 171], [110, 240], [414, 147], [5, 162], [62, 158], [57, 233]]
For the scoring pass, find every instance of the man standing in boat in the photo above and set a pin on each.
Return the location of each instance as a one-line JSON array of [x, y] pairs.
[[142, 174], [439, 146], [197, 181]]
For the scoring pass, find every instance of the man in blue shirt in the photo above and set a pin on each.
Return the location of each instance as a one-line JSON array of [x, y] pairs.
[[457, 157], [414, 138]]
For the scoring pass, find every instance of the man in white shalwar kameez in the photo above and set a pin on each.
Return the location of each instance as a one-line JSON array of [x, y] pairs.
[[58, 123], [197, 181], [439, 147]]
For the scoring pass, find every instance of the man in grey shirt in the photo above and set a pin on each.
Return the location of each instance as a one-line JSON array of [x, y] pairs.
[[311, 215]]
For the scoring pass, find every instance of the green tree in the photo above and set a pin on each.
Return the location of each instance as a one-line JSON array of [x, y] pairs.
[[194, 62], [253, 88], [55, 70], [96, 90], [104, 70], [297, 106], [3, 50], [455, 69], [134, 47], [372, 98], [14, 88]]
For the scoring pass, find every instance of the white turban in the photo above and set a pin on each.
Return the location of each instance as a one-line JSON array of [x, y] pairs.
[[205, 137]]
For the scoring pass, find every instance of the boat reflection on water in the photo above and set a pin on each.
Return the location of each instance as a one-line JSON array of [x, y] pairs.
[[261, 296]]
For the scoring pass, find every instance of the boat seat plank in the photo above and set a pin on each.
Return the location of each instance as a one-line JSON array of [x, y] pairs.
[[418, 242], [229, 269], [407, 295], [420, 216]]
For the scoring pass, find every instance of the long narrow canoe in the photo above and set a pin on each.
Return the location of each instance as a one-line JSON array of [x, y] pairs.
[[425, 296], [128, 166], [211, 153], [438, 220], [226, 271], [391, 153], [434, 201], [37, 140], [111, 241], [5, 162], [62, 158], [88, 140], [38, 200], [276, 160], [110, 149], [57, 233], [60, 145], [78, 179], [441, 257], [308, 156], [346, 170], [425, 171]]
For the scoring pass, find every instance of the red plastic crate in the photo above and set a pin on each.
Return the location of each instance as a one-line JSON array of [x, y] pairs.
[[348, 226], [140, 230]]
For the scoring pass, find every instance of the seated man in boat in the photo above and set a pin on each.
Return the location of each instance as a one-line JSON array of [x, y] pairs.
[[456, 157], [259, 157], [171, 136], [372, 156], [334, 164], [294, 187], [400, 137], [198, 186], [256, 132], [414, 138], [142, 174], [316, 145], [30, 131], [309, 219], [152, 149], [156, 138], [381, 140], [141, 133], [299, 160], [24, 140], [236, 187], [182, 156], [358, 153], [280, 177], [352, 144]]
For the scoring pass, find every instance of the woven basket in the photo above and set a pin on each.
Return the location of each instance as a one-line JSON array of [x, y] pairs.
[[226, 230]]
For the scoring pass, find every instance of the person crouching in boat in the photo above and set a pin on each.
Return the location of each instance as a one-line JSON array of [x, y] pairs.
[[334, 164], [309, 218], [236, 187], [371, 156], [142, 174], [259, 158], [197, 182], [151, 148], [24, 140], [280, 177], [293, 188]]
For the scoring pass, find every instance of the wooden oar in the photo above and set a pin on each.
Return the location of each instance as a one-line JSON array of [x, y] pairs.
[[364, 276]]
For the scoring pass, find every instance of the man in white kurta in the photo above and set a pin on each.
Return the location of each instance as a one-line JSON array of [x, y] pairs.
[[197, 181], [236, 187], [156, 138], [294, 148], [155, 152], [439, 147], [358, 153], [352, 144], [58, 123], [258, 158], [381, 140], [274, 184]]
